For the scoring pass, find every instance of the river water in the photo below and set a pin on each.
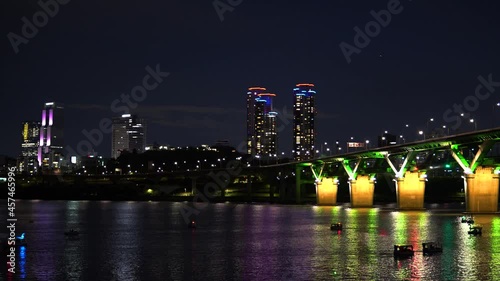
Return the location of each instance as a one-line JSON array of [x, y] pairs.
[[150, 241]]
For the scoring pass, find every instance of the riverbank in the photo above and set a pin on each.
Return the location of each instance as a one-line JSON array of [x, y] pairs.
[[261, 194]]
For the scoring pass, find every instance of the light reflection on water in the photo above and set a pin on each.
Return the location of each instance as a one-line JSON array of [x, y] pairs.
[[150, 241]]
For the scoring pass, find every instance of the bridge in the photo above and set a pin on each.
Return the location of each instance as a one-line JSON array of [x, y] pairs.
[[469, 150]]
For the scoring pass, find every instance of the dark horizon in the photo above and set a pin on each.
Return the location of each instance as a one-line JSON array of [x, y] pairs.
[[427, 58]]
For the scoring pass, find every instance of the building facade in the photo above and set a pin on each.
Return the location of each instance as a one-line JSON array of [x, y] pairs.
[[262, 137], [30, 141], [128, 134], [50, 150], [304, 117]]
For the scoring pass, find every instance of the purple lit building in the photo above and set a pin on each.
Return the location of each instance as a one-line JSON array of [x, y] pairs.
[[50, 150]]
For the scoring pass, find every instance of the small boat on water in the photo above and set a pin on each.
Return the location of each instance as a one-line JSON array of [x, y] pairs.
[[192, 224], [336, 226], [403, 251], [72, 233], [431, 248], [475, 230], [468, 220]]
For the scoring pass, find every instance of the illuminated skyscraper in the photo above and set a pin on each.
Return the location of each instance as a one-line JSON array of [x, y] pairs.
[[50, 151], [303, 121], [261, 123], [128, 134], [28, 162]]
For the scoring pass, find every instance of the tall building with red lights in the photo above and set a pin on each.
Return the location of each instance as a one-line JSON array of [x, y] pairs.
[[303, 122], [262, 138]]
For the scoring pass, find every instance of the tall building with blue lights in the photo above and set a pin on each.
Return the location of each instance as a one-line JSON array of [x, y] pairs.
[[262, 138], [304, 114]]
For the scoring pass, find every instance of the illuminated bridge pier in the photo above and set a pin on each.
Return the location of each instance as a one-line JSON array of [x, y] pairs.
[[480, 171]]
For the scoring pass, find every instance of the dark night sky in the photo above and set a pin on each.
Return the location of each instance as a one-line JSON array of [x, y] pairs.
[[92, 51]]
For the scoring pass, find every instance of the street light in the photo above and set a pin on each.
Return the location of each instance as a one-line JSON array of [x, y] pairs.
[[448, 131], [367, 143], [421, 133], [430, 120], [493, 114], [475, 124]]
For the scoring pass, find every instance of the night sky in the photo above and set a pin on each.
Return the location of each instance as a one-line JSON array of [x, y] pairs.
[[425, 60]]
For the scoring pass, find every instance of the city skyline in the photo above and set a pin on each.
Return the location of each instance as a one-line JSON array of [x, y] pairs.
[[434, 63], [250, 140]]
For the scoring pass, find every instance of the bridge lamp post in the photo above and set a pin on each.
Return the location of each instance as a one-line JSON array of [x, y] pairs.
[[401, 137], [421, 133], [493, 114], [328, 150], [338, 147], [367, 144], [430, 120], [448, 129], [475, 124], [405, 130], [322, 151]]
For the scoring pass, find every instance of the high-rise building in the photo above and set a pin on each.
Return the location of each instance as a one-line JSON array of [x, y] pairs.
[[252, 95], [128, 134], [303, 122], [28, 161], [261, 123], [50, 150]]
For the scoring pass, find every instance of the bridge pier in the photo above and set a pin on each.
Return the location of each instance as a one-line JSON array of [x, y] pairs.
[[193, 185], [326, 191], [361, 190], [298, 183], [282, 189], [410, 190], [481, 191], [249, 189]]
